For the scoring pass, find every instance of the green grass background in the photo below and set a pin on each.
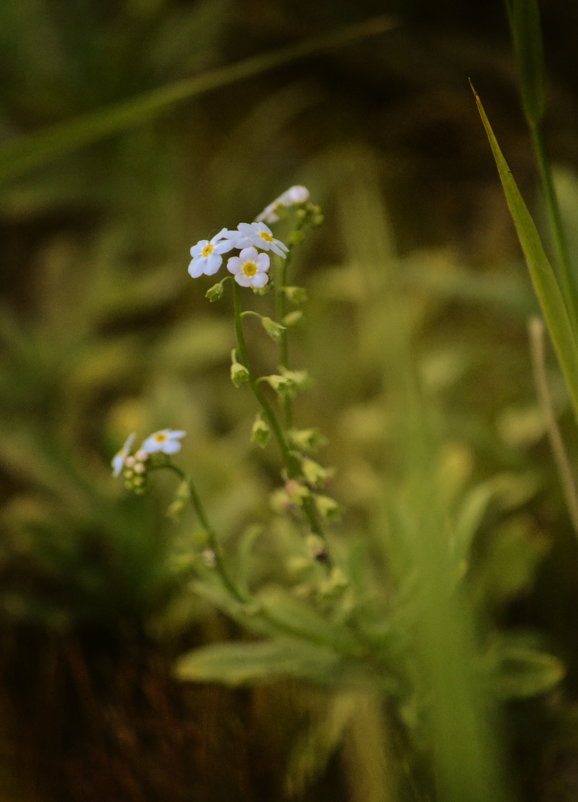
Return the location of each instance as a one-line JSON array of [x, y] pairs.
[[131, 130]]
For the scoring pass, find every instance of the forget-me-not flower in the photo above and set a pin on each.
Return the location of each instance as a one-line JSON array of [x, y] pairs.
[[249, 268], [119, 459], [258, 235], [207, 256], [166, 441]]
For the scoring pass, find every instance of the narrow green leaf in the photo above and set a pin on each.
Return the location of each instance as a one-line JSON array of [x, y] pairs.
[[550, 298], [524, 16], [522, 670], [22, 154], [252, 663]]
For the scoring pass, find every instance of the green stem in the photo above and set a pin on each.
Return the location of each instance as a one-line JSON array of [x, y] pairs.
[[280, 312], [566, 278], [243, 356], [291, 464], [235, 592], [213, 542]]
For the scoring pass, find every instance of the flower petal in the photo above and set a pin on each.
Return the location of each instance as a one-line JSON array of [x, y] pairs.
[[195, 268], [260, 279]]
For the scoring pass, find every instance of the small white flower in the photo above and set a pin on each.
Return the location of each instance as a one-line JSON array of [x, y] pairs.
[[167, 441], [249, 268], [259, 236], [120, 458], [207, 254], [293, 195]]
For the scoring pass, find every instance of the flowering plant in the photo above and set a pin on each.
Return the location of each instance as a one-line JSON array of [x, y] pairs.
[[257, 260]]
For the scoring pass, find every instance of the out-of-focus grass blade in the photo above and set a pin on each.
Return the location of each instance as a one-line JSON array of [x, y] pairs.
[[19, 155], [524, 16], [552, 302]]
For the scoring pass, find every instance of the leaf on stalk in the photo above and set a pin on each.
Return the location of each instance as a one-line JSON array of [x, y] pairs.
[[257, 663]]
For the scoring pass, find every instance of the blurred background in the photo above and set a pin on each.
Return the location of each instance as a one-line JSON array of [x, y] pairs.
[[104, 333]]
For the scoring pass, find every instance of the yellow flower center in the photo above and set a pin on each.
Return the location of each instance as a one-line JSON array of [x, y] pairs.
[[250, 268], [208, 249], [265, 236], [161, 437]]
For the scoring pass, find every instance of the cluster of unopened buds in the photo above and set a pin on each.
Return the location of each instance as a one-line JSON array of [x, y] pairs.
[[254, 241], [134, 466]]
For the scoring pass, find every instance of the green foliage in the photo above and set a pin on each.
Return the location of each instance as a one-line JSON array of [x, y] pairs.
[[381, 588], [527, 37], [27, 152], [557, 309], [262, 662]]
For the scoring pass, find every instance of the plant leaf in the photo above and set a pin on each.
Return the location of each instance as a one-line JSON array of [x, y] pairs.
[[524, 17], [543, 277], [260, 662], [522, 669]]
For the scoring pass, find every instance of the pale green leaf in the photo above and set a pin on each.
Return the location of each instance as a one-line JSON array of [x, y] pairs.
[[257, 663], [523, 670]]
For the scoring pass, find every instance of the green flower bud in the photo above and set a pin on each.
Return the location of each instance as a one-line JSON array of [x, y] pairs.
[[307, 439], [260, 432], [315, 474], [295, 295], [287, 382], [274, 330], [327, 508], [239, 373], [215, 292], [293, 318]]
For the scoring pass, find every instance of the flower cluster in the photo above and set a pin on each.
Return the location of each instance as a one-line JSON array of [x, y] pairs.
[[291, 197], [250, 268], [134, 467]]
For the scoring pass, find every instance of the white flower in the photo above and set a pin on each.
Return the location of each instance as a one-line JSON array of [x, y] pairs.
[[119, 459], [293, 195], [259, 236], [249, 268], [207, 254], [166, 441]]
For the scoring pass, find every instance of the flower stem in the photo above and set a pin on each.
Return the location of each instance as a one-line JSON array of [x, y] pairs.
[[240, 597], [291, 463], [280, 312], [197, 505], [268, 412]]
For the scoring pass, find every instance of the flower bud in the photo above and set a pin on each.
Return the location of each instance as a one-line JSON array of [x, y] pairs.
[[274, 330], [239, 373], [215, 292], [293, 318], [260, 432], [296, 295]]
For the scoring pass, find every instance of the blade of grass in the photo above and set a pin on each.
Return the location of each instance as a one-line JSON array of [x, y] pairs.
[[20, 155], [554, 306], [524, 18], [453, 701], [563, 463]]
